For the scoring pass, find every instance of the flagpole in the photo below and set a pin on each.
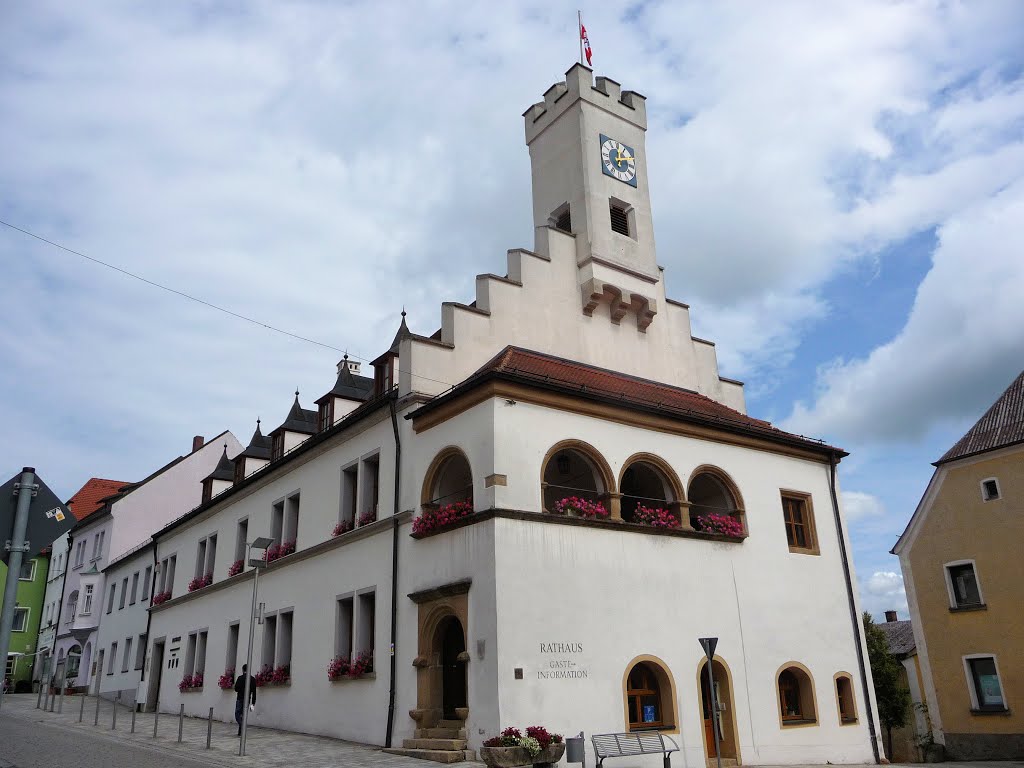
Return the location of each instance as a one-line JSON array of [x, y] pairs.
[[579, 31]]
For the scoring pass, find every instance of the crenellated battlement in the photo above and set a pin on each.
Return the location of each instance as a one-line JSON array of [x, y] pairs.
[[579, 83]]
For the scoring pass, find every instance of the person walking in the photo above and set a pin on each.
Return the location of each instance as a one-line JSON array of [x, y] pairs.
[[240, 695]]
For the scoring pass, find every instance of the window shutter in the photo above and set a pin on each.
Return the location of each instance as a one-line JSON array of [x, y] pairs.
[[620, 222]]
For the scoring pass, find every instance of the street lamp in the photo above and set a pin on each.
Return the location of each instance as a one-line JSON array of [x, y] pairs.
[[709, 644], [257, 563]]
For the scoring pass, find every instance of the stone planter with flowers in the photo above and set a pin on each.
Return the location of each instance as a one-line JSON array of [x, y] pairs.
[[538, 747]]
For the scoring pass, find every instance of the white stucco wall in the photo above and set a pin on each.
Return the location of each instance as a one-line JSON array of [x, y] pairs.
[[121, 623]]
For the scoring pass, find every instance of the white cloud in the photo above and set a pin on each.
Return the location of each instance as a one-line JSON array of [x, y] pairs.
[[858, 505], [884, 591]]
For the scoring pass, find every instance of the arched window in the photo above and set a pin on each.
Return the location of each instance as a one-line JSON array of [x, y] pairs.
[[711, 492], [72, 605], [649, 696], [574, 469], [449, 479], [649, 483], [796, 696], [845, 700]]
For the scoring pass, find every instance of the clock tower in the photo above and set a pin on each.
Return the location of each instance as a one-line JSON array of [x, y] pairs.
[[589, 164]]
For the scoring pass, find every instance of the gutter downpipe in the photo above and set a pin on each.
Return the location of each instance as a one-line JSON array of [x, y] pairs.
[[857, 632], [394, 569]]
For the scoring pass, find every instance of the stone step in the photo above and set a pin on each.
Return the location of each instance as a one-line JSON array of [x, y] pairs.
[[448, 744], [451, 724], [436, 755], [440, 733]]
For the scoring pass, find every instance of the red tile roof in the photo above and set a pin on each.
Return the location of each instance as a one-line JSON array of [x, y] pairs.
[[1002, 425], [629, 391], [90, 496]]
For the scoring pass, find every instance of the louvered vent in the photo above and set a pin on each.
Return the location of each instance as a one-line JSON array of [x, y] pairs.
[[620, 221], [564, 221]]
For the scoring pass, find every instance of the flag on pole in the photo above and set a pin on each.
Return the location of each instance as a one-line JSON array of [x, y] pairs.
[[585, 43]]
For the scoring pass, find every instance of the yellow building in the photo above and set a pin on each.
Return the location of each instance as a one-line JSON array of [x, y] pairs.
[[963, 566]]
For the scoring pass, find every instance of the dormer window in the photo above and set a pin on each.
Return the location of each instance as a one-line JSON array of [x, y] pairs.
[[277, 446], [383, 377], [240, 469], [327, 415], [207, 490]]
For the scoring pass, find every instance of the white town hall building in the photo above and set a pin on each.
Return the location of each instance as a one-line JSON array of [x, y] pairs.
[[576, 378]]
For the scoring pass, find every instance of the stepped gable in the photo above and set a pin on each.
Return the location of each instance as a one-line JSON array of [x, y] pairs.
[[259, 446], [225, 469], [90, 497], [1001, 426]]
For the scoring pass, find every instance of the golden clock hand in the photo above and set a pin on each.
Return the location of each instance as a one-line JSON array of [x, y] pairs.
[[621, 158]]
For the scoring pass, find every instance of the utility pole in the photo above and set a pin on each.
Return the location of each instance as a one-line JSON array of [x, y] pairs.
[[25, 489]]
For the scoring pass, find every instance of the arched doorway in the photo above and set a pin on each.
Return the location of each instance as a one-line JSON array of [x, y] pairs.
[[451, 645], [719, 695]]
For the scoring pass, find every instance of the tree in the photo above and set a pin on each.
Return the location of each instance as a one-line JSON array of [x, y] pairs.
[[891, 695]]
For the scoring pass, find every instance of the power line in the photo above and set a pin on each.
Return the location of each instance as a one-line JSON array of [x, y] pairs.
[[205, 303]]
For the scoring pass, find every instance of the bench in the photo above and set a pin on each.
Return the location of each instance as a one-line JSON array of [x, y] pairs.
[[628, 744]]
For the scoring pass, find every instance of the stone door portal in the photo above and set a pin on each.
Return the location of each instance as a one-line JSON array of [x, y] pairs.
[[453, 666]]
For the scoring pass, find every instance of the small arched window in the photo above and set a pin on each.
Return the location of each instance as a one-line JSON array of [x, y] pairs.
[[450, 480], [845, 700], [711, 493], [645, 484], [649, 697], [573, 471], [796, 697]]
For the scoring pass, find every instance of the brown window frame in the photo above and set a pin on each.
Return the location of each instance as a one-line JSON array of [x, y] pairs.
[[326, 415], [810, 545], [277, 446], [637, 695]]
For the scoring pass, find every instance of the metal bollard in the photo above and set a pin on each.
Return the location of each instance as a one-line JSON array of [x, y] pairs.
[[134, 709], [60, 705], [181, 721], [46, 697], [156, 716], [113, 717], [39, 698], [209, 727], [96, 717], [81, 710]]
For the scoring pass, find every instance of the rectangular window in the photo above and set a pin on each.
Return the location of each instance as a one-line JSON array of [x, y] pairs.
[[343, 628], [172, 565], [989, 489], [113, 659], [290, 530], [87, 604], [277, 446], [366, 619], [145, 583], [963, 582], [200, 559], [111, 597], [284, 639], [200, 665], [327, 414], [127, 655], [135, 589], [124, 593], [269, 640], [211, 553], [28, 571], [619, 219], [369, 479], [349, 486], [231, 659], [799, 521], [241, 541], [20, 620], [95, 546], [12, 662], [140, 654], [190, 653], [987, 689], [277, 522]]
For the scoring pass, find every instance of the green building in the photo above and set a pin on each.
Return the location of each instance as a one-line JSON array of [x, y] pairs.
[[27, 613]]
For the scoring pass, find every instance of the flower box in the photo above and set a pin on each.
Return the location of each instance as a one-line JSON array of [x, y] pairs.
[[161, 597], [200, 581], [273, 676], [191, 683], [343, 527], [367, 517], [342, 668], [574, 506], [537, 747], [655, 517], [435, 518], [723, 525], [226, 682], [277, 551], [236, 568]]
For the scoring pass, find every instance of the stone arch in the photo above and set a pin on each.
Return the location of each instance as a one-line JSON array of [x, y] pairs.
[[666, 694], [728, 727], [586, 473], [649, 480], [794, 690], [712, 489], [438, 614], [445, 479]]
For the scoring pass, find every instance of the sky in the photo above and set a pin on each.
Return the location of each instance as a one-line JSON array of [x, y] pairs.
[[837, 188]]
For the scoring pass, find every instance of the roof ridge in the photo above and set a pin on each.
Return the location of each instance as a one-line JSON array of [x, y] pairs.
[[1001, 425]]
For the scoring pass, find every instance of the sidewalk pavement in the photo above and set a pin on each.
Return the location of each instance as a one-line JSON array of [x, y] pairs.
[[265, 747]]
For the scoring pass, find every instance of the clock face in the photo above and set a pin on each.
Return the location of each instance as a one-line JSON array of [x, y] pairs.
[[618, 160]]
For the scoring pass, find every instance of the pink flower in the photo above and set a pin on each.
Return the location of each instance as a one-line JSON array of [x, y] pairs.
[[581, 507], [434, 518], [343, 527], [656, 517], [725, 525], [235, 569]]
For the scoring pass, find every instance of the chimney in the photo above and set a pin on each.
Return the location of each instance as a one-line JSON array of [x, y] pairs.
[[890, 616], [197, 443], [353, 366]]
